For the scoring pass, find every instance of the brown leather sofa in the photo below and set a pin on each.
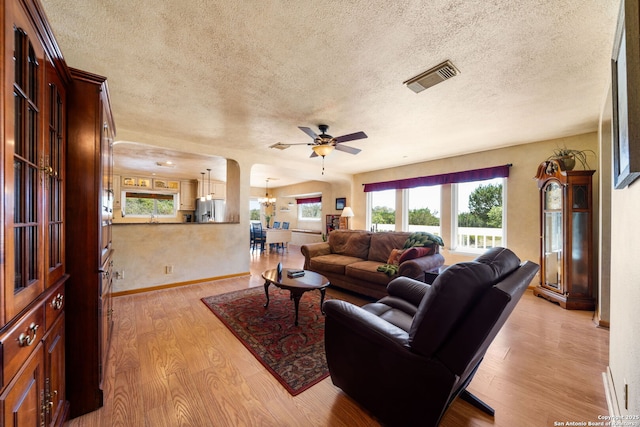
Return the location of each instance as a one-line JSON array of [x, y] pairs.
[[406, 357], [350, 260]]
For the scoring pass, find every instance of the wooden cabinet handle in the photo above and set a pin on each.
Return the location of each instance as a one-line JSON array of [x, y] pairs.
[[30, 337], [57, 302]]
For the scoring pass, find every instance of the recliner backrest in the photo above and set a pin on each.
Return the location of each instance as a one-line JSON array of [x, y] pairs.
[[468, 343], [454, 294]]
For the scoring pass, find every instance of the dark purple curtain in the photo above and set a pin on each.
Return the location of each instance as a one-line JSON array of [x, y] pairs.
[[445, 178], [309, 200]]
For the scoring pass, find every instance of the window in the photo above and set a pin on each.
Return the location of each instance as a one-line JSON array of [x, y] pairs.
[[254, 210], [423, 206], [138, 204], [310, 211], [478, 215], [477, 219], [383, 210]]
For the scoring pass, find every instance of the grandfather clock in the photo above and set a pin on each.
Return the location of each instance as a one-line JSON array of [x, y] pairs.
[[566, 236]]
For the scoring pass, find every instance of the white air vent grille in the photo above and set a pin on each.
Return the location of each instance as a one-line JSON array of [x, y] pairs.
[[432, 77]]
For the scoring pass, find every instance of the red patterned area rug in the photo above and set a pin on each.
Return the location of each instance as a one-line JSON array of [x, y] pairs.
[[293, 354]]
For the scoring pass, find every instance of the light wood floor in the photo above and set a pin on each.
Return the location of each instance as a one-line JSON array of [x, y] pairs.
[[173, 363]]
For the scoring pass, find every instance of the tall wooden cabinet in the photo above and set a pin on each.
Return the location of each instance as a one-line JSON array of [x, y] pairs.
[[56, 176], [89, 213], [566, 242], [32, 215]]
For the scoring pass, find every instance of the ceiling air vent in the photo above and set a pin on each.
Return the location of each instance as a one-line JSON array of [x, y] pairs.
[[432, 77], [280, 146]]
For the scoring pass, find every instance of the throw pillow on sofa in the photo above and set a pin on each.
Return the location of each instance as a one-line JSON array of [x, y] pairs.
[[415, 252], [395, 256]]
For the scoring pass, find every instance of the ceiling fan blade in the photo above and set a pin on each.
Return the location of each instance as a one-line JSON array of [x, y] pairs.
[[348, 149], [308, 131], [313, 154], [351, 137]]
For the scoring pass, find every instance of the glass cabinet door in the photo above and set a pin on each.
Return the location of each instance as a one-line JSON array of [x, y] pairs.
[[552, 238], [580, 244], [23, 280], [53, 171]]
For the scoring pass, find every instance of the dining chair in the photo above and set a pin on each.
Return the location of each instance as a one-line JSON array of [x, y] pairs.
[[258, 237], [276, 226]]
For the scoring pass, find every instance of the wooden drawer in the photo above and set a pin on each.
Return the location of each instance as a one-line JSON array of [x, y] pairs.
[[19, 341], [54, 305]]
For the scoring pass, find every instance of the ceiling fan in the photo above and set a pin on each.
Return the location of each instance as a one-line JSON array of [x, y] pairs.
[[324, 144]]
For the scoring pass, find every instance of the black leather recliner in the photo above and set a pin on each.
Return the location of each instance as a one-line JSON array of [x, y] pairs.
[[406, 357]]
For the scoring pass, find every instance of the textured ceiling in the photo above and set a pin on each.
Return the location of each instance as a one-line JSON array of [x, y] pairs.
[[231, 78]]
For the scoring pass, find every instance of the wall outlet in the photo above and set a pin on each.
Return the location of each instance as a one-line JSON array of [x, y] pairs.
[[168, 269]]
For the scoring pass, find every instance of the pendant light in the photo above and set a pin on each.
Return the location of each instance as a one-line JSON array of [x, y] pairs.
[[267, 201], [202, 199], [209, 188]]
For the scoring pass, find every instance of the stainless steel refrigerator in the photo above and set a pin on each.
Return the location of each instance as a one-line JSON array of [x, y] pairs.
[[210, 210]]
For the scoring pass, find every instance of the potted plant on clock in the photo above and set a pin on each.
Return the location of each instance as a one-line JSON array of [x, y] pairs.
[[567, 157]]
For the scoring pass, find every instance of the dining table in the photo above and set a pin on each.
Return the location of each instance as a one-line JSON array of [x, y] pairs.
[[277, 236]]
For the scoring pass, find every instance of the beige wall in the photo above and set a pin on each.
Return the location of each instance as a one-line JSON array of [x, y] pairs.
[[624, 344], [288, 194], [195, 252], [523, 217], [623, 280]]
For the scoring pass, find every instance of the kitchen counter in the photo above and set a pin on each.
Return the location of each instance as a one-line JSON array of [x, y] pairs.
[[302, 237]]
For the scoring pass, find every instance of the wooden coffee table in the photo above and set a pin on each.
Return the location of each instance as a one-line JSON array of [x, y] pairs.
[[296, 286]]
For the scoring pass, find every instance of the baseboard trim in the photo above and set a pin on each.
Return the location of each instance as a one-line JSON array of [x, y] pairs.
[[597, 319], [177, 284], [610, 393]]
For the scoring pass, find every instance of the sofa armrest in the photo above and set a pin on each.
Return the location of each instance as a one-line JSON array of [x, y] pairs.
[[311, 250], [415, 268]]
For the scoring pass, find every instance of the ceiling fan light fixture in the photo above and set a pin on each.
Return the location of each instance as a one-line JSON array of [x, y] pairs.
[[322, 150]]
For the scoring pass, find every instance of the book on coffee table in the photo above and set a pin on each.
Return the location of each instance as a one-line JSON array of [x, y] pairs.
[[292, 273]]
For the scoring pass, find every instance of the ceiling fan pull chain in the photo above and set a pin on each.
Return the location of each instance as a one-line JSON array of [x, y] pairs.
[[322, 165]]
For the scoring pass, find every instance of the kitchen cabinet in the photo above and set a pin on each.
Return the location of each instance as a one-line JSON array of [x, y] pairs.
[[187, 195], [89, 214], [165, 184], [218, 190], [32, 290], [136, 182]]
